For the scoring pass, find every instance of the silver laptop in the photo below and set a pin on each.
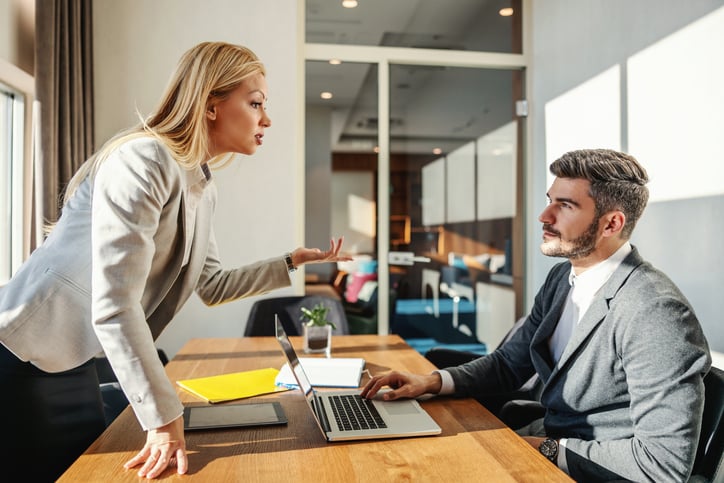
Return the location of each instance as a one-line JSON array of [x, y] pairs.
[[344, 415]]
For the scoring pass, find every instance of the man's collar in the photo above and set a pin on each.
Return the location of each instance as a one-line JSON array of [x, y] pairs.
[[608, 265]]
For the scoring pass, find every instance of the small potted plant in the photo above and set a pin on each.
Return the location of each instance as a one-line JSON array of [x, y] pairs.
[[317, 329]]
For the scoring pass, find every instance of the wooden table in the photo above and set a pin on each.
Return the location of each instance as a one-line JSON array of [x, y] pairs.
[[473, 446]]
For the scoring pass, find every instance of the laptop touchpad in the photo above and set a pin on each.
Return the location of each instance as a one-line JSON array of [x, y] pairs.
[[400, 408]]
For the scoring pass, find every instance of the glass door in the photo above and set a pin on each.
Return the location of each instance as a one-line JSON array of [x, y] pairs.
[[341, 156], [454, 210]]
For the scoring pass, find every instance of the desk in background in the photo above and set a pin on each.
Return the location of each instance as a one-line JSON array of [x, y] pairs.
[[473, 446]]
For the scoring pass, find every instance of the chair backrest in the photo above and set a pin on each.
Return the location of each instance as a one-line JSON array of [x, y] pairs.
[[708, 462], [289, 310]]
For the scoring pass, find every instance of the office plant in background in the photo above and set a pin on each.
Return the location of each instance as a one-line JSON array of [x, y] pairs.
[[317, 329]]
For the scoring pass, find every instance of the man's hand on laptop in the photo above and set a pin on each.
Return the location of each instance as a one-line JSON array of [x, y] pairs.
[[403, 385]]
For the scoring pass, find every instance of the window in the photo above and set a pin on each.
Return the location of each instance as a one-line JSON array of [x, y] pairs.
[[16, 97]]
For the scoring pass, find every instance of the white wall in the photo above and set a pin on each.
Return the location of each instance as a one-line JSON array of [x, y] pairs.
[[136, 46], [646, 77], [17, 33]]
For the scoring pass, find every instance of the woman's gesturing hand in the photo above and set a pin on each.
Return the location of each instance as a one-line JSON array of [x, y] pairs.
[[302, 255]]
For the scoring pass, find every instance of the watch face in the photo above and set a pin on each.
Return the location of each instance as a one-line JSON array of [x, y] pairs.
[[549, 448]]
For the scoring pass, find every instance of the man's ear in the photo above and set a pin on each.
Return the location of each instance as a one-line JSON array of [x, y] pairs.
[[613, 223], [211, 112]]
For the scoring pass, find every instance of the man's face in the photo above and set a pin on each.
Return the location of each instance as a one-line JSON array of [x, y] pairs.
[[570, 224]]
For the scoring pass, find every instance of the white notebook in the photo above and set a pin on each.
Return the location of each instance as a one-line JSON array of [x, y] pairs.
[[323, 372]]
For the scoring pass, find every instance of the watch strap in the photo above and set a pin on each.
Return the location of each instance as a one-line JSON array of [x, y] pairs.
[[290, 263]]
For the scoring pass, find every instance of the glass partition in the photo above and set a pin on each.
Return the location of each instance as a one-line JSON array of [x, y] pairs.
[[413, 154]]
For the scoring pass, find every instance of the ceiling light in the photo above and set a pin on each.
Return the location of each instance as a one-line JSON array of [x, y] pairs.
[[349, 3], [326, 95], [335, 61], [437, 151], [506, 12]]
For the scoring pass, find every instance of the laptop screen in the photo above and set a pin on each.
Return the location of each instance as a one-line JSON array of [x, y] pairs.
[[292, 358], [309, 394]]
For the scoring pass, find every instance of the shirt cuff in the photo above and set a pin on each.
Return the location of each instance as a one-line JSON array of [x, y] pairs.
[[448, 385], [562, 462]]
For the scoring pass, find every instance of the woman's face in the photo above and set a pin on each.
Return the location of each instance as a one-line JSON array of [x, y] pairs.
[[236, 123]]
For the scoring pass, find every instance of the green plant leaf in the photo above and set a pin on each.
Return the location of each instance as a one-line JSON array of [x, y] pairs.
[[317, 316]]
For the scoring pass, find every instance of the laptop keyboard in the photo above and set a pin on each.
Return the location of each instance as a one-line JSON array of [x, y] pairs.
[[353, 412]]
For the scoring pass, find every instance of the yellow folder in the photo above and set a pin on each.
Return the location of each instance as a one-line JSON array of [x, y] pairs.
[[236, 385]]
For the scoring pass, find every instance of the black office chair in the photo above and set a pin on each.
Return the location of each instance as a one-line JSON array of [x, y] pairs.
[[708, 464], [289, 310], [114, 400]]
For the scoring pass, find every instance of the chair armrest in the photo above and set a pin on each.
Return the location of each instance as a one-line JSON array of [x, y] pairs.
[[443, 357], [517, 413]]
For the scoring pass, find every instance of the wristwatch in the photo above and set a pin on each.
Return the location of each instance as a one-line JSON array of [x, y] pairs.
[[549, 449], [290, 263]]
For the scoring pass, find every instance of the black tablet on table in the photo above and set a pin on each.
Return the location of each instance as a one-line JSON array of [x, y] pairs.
[[233, 415]]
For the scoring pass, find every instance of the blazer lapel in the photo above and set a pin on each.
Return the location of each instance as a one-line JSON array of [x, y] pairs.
[[185, 277], [598, 310], [540, 352], [593, 316]]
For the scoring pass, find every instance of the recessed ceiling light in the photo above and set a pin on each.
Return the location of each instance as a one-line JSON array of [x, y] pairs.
[[335, 61], [437, 151], [349, 3], [506, 12], [326, 95]]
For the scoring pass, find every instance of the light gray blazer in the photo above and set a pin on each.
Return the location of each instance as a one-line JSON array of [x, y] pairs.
[[627, 391], [110, 276]]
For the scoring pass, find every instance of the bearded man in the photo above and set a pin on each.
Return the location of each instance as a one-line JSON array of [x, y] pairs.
[[617, 346]]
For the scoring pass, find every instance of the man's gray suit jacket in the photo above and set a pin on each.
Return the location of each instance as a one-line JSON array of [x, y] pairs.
[[627, 391]]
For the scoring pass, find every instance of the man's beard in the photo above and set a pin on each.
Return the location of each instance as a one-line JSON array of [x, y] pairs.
[[578, 248]]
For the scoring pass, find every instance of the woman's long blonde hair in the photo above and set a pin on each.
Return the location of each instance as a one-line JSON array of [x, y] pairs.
[[209, 71]]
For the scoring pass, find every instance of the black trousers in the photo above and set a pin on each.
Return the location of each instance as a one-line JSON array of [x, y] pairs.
[[48, 419]]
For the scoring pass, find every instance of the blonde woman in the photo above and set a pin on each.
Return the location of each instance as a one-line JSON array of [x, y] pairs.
[[133, 242]]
